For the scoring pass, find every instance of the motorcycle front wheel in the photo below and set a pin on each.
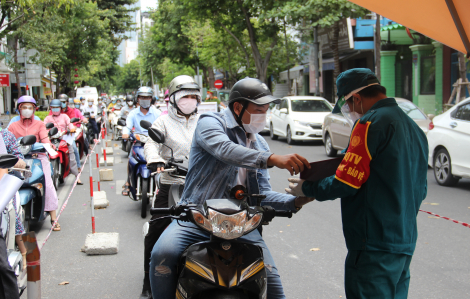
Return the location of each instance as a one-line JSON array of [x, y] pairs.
[[145, 197], [56, 173]]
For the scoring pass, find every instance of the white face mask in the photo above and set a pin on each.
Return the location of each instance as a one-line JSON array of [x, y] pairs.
[[187, 105], [130, 103], [257, 123], [27, 113], [351, 116]]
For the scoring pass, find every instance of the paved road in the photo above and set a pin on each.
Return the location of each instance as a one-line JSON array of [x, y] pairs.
[[439, 268]]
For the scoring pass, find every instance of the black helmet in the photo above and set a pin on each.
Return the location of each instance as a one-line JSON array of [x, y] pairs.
[[129, 98], [63, 97], [251, 90]]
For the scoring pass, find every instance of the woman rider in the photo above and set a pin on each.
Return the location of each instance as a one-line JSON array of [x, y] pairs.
[[62, 122], [27, 125], [178, 127]]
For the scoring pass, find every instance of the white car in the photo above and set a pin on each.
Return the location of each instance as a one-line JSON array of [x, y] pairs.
[[299, 118], [449, 141]]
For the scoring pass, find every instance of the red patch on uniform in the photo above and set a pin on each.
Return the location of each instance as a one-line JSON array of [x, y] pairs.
[[354, 170]]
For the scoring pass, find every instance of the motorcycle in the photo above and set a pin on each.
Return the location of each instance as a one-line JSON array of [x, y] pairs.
[[114, 119], [90, 134], [60, 164], [126, 144], [32, 192], [11, 185], [223, 267], [79, 137], [141, 183]]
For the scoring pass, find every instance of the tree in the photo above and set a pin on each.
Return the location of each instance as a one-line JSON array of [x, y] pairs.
[[324, 13], [236, 17], [128, 77]]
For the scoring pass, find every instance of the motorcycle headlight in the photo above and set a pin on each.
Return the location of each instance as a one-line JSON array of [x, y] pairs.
[[227, 226], [25, 149], [141, 138]]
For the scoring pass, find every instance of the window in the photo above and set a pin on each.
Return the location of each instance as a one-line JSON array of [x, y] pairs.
[[411, 110], [284, 104], [428, 75], [462, 112], [310, 106]]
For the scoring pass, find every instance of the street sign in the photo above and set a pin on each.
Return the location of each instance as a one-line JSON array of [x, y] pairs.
[[218, 84], [103, 94], [4, 80]]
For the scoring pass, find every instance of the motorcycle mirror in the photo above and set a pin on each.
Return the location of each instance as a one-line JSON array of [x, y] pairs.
[[74, 120], [156, 135], [28, 140], [53, 131], [145, 124], [49, 125], [121, 122], [7, 161]]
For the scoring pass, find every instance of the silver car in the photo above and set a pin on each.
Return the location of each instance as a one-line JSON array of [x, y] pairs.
[[336, 129]]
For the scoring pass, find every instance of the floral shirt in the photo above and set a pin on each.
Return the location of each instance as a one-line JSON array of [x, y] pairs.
[[11, 147]]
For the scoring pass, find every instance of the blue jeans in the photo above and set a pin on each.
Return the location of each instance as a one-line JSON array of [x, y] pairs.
[[172, 243], [77, 155]]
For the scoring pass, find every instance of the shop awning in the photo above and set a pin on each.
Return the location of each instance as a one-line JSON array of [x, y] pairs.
[[446, 21], [294, 73]]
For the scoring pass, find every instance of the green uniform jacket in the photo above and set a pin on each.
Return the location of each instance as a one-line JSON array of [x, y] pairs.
[[381, 181]]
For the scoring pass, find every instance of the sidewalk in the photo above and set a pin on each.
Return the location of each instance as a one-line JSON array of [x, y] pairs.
[[102, 276]]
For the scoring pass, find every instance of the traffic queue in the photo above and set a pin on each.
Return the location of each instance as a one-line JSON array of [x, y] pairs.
[[36, 156]]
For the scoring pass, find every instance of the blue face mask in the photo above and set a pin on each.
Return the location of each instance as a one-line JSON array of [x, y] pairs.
[[63, 105], [77, 106], [55, 109], [114, 102]]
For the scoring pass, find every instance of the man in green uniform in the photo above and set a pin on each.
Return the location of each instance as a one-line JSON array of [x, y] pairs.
[[381, 181]]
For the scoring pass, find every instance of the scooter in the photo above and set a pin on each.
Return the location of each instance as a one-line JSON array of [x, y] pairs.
[[223, 267], [141, 183], [8, 218], [126, 144], [61, 164], [116, 128], [175, 168], [79, 137], [90, 134], [32, 193]]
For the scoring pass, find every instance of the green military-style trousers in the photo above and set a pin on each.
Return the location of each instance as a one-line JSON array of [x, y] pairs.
[[376, 275]]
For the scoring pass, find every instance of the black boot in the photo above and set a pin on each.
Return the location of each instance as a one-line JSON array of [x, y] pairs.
[[146, 292]]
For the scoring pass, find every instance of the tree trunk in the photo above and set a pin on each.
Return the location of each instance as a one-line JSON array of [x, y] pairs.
[[377, 46], [334, 48], [287, 56], [15, 58], [210, 70], [204, 73], [463, 74], [260, 63]]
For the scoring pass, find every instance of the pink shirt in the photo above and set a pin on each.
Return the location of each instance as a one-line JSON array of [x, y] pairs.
[[61, 121], [30, 126]]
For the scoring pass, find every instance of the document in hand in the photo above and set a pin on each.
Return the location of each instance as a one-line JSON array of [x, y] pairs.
[[321, 169]]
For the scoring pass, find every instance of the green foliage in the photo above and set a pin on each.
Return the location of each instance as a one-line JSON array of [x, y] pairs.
[[41, 114], [128, 77]]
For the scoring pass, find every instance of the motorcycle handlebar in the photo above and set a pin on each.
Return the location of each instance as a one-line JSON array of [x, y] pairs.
[[283, 214], [160, 211]]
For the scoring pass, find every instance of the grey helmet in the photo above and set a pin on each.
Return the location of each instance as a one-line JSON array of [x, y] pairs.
[[182, 82], [144, 91]]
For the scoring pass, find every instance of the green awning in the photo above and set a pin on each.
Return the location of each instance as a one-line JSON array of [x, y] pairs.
[[392, 27]]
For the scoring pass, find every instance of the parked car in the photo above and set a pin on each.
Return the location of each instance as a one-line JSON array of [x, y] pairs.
[[299, 118], [449, 140], [336, 129]]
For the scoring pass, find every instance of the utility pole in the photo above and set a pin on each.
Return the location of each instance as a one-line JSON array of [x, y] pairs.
[[153, 84], [316, 46]]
